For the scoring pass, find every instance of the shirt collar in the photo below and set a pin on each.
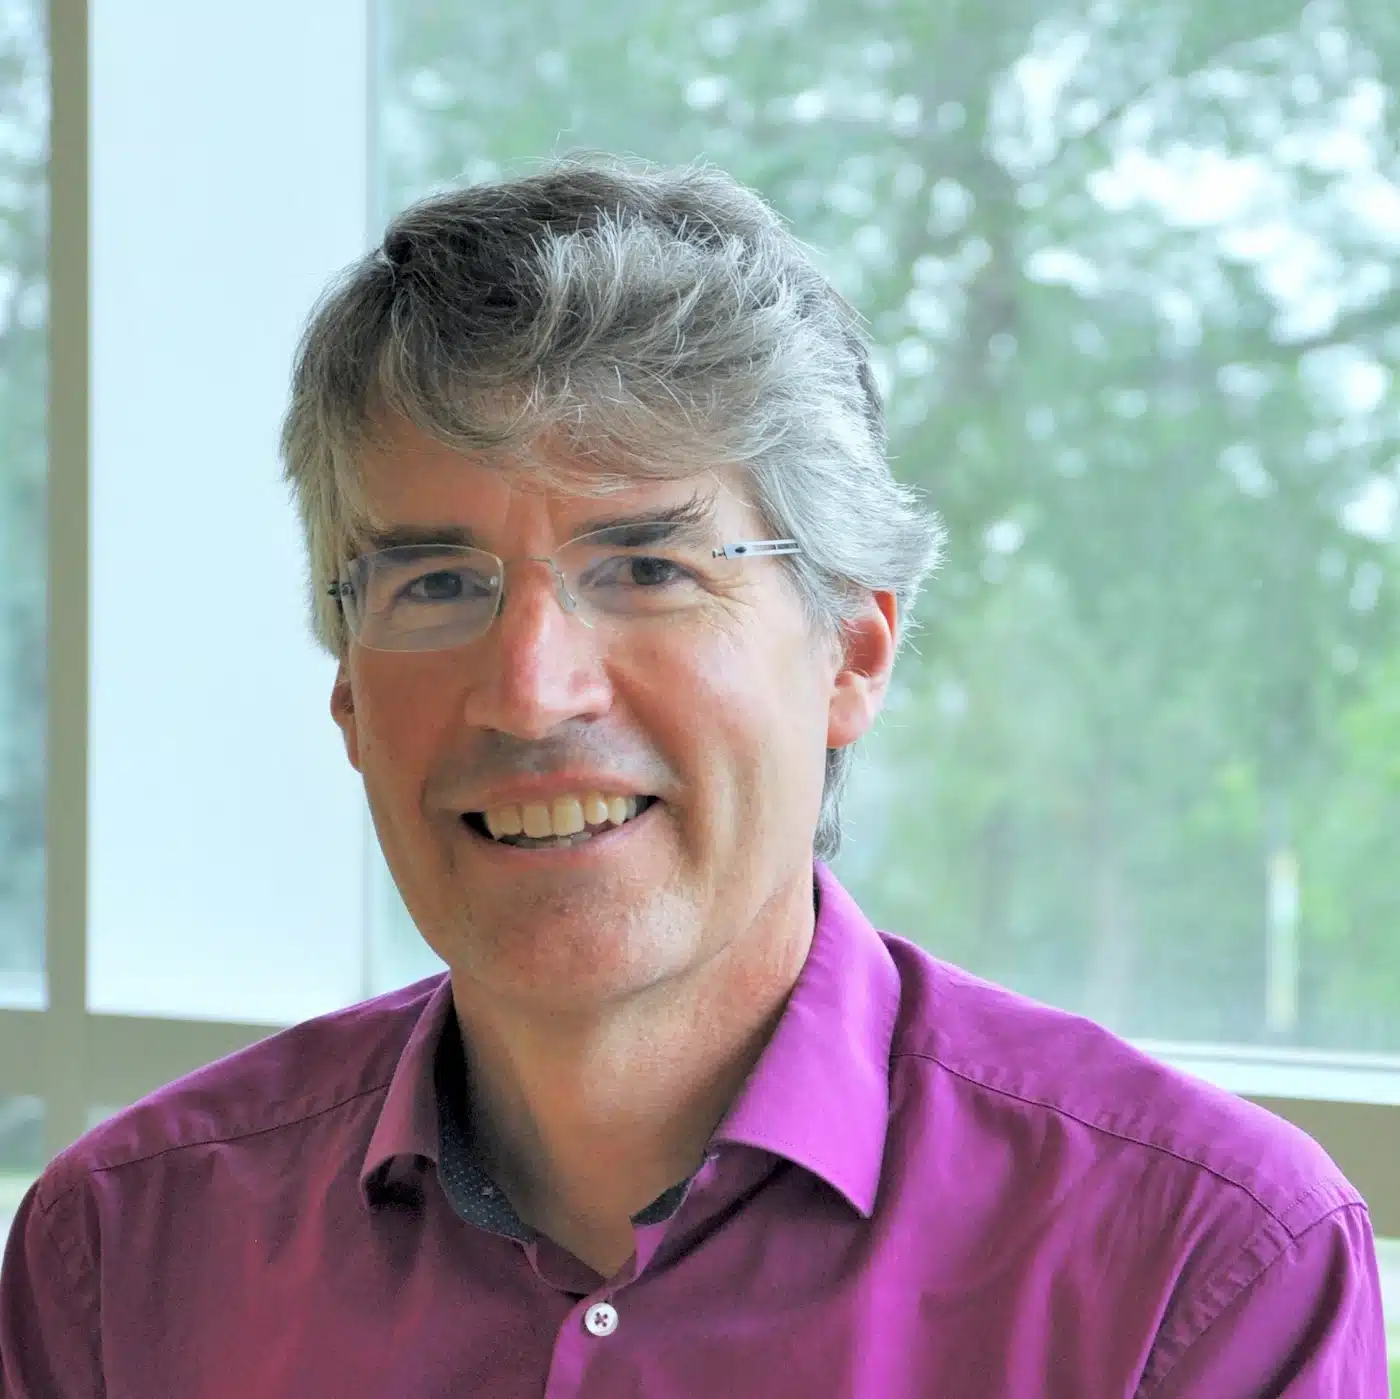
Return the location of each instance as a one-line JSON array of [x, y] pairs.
[[408, 1119], [818, 1095]]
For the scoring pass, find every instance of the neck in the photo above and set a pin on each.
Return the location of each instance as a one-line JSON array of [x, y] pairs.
[[584, 1118]]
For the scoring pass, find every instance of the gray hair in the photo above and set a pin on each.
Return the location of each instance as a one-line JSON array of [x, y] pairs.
[[665, 321]]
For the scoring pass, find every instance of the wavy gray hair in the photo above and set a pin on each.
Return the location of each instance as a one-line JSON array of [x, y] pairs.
[[665, 321]]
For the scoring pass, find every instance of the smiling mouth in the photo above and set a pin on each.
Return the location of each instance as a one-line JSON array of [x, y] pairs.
[[567, 821]]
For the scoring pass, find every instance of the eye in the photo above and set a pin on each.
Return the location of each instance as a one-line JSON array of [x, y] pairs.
[[447, 585], [647, 571], [634, 571]]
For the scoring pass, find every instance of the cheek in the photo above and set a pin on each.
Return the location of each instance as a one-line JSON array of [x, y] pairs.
[[744, 702], [400, 716]]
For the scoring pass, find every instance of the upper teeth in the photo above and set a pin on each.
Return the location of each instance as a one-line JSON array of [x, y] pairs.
[[564, 816]]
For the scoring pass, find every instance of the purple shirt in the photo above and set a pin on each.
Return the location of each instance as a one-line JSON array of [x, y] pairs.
[[929, 1186]]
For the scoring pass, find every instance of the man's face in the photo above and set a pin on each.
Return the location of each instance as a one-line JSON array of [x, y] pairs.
[[722, 713]]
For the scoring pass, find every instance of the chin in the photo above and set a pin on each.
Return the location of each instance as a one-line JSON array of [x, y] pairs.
[[571, 955]]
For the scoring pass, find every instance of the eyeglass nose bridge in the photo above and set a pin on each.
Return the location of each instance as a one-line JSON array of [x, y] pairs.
[[567, 601]]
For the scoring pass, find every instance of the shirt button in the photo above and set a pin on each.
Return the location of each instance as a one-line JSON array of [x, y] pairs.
[[601, 1319]]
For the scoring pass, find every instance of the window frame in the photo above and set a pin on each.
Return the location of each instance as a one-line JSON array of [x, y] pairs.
[[75, 1060]]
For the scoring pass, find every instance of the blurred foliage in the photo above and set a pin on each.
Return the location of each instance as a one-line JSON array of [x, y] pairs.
[[23, 314], [1131, 271]]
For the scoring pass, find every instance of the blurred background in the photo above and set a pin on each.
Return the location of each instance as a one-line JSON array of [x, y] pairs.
[[1131, 268]]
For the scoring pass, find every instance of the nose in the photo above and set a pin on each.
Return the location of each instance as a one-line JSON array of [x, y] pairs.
[[539, 665]]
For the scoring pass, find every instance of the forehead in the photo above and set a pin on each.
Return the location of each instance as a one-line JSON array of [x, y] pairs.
[[410, 477]]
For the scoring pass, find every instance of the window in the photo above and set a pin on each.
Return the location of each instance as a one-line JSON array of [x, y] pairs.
[[24, 95], [1389, 1254], [225, 827], [21, 1153]]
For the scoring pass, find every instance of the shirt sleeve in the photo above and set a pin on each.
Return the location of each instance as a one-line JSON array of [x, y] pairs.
[[48, 1314], [1308, 1326]]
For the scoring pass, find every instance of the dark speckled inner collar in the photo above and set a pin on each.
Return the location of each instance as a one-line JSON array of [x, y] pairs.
[[472, 1193]]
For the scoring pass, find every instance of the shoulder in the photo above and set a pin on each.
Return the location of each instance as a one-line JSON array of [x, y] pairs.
[[307, 1070], [1144, 1202], [1017, 1064]]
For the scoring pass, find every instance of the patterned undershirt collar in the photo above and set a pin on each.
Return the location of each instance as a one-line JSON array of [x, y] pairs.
[[473, 1194]]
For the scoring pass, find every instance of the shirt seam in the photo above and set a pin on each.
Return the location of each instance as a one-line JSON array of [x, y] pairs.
[[231, 1136], [75, 1269], [1121, 1136], [1228, 1299]]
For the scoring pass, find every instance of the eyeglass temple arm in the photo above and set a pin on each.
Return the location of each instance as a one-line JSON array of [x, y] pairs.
[[750, 548]]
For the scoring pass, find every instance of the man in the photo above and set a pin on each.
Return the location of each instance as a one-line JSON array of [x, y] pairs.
[[591, 470]]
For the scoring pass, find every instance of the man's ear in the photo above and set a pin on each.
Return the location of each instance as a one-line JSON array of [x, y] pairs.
[[867, 660], [343, 712]]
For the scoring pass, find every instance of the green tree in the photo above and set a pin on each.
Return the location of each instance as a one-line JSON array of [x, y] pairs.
[[1349, 838], [1129, 272]]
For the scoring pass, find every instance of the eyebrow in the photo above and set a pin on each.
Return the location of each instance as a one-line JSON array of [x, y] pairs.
[[691, 519], [403, 535]]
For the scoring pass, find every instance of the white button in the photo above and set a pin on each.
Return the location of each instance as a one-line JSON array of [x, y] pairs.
[[601, 1319]]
